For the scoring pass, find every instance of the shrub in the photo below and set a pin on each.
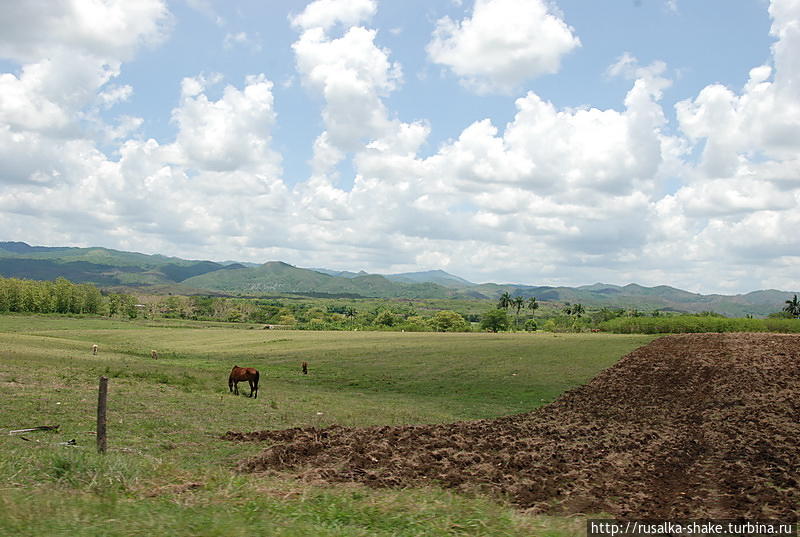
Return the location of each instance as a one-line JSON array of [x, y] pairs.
[[415, 323], [682, 324], [449, 321], [385, 318], [495, 320]]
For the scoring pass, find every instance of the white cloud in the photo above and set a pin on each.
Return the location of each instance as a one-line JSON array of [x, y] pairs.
[[229, 134], [58, 184], [556, 195], [326, 13], [241, 39], [114, 94], [503, 44], [352, 74], [68, 51], [32, 29], [742, 196]]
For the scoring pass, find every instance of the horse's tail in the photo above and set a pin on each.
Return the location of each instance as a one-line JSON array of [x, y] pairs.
[[255, 381]]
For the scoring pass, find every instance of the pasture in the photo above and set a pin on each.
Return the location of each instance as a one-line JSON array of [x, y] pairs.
[[167, 472]]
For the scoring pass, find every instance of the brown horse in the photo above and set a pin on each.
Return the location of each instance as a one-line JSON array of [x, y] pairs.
[[240, 374]]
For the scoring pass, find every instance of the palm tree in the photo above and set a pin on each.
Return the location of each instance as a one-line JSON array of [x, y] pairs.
[[793, 307], [518, 302], [533, 305], [505, 301]]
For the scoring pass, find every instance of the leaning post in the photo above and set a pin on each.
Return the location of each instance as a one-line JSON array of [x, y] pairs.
[[102, 398]]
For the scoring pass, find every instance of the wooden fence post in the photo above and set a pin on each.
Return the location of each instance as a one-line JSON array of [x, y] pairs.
[[102, 398]]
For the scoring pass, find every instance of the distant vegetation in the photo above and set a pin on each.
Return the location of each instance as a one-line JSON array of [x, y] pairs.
[[140, 274], [60, 296], [696, 324], [511, 313]]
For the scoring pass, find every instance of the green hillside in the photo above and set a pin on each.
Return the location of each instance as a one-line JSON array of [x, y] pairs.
[[279, 277], [158, 274], [102, 266]]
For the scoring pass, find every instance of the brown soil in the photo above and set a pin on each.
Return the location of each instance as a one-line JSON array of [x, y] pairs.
[[689, 426]]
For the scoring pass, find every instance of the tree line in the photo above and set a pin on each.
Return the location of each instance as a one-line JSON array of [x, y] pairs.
[[65, 297], [59, 296]]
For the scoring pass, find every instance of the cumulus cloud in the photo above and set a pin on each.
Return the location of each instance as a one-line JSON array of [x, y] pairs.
[[742, 195], [232, 133], [57, 182], [324, 14], [555, 195], [110, 29], [503, 44], [351, 73], [68, 52]]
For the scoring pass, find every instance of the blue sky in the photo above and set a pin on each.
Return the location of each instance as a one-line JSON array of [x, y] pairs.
[[563, 142], [701, 42]]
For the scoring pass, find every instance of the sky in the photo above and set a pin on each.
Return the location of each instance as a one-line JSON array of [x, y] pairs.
[[556, 142]]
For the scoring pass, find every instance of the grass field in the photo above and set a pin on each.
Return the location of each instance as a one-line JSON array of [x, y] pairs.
[[168, 473]]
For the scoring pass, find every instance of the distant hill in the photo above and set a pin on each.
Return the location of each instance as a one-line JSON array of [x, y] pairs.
[[340, 273], [439, 277], [102, 266], [117, 269], [279, 277]]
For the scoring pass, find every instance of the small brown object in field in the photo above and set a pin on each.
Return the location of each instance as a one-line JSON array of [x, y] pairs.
[[304, 366], [154, 355], [94, 349]]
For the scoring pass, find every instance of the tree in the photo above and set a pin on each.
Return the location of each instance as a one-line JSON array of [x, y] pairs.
[[114, 304], [128, 306], [505, 301], [64, 298], [495, 320], [533, 305], [91, 298], [578, 310], [449, 321], [385, 318], [793, 307], [518, 302]]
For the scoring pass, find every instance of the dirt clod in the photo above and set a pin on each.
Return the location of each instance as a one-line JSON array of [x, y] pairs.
[[689, 426]]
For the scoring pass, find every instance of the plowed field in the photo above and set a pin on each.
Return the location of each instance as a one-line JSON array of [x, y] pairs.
[[689, 426]]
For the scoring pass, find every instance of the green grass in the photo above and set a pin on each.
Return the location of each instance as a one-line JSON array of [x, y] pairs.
[[168, 473]]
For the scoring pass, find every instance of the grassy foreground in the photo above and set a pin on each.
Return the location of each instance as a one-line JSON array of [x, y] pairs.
[[167, 472]]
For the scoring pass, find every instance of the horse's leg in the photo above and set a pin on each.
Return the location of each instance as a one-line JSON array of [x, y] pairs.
[[250, 382], [235, 387]]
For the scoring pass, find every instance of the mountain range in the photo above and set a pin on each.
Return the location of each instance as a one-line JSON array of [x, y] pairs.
[[161, 274]]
